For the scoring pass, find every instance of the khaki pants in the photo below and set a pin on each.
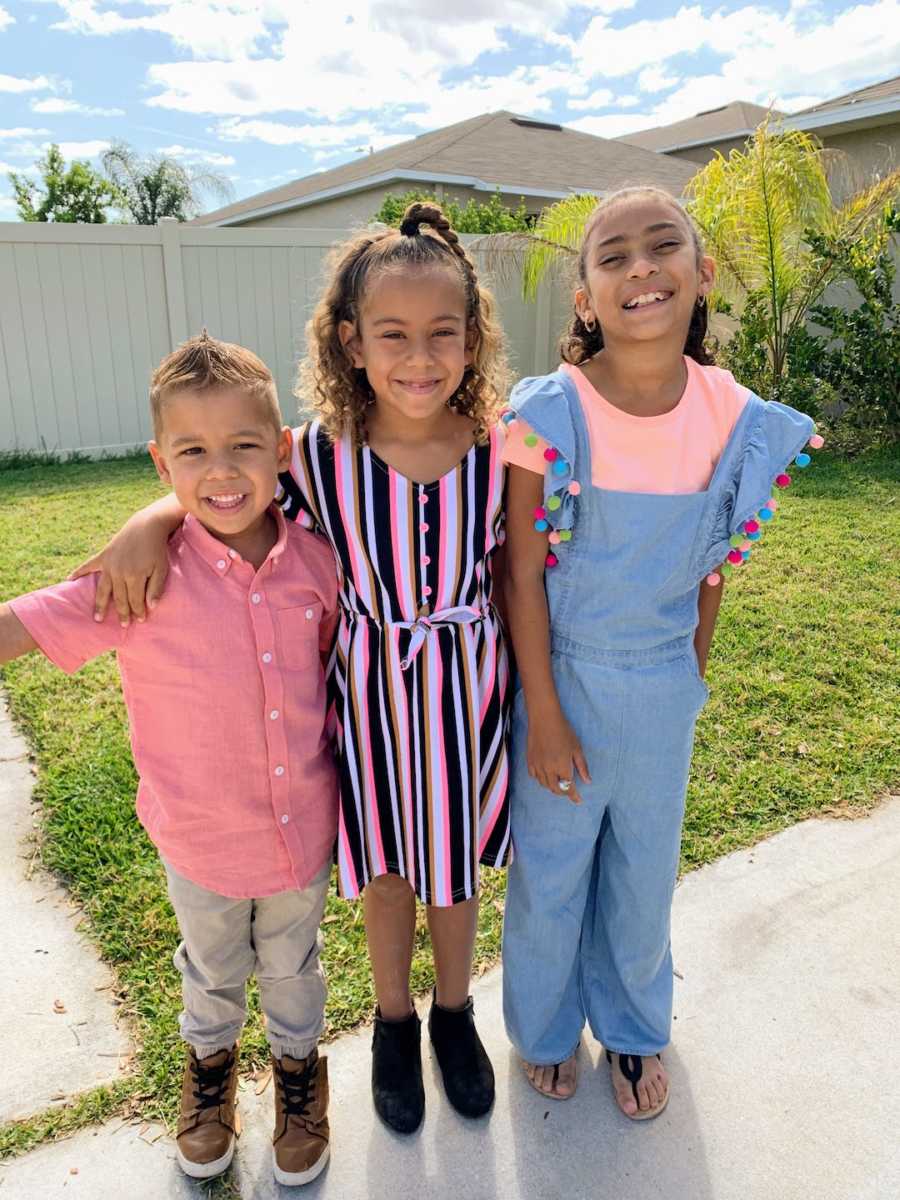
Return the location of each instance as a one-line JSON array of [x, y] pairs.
[[226, 940]]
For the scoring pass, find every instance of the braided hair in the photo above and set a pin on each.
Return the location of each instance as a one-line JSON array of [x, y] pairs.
[[340, 392], [581, 342]]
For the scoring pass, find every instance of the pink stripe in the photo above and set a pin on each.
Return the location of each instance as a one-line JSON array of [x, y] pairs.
[[445, 782], [487, 690], [406, 780], [349, 886], [492, 488], [494, 809], [442, 556], [371, 803]]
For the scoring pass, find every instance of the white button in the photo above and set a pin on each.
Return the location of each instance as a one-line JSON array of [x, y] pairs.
[[273, 715], [309, 614], [232, 553], [284, 819], [221, 564], [279, 771], [256, 597], [267, 657]]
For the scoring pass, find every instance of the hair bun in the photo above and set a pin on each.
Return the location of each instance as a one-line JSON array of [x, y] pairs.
[[422, 214]]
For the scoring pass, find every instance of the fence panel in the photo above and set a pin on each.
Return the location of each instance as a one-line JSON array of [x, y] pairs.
[[87, 311]]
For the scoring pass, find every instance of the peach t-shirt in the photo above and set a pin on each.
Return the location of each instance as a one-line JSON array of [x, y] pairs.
[[674, 452]]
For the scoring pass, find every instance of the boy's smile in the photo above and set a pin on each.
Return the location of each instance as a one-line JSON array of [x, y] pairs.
[[221, 454]]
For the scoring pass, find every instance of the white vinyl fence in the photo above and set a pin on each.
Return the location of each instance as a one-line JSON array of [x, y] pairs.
[[87, 311]]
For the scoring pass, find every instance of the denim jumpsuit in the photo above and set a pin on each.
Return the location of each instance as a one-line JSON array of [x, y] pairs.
[[586, 933]]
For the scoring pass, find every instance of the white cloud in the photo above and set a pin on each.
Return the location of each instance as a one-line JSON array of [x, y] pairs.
[[13, 83], [601, 98], [55, 105], [654, 79], [627, 101], [206, 158], [613, 125], [21, 131], [6, 19], [79, 149], [277, 133], [8, 210]]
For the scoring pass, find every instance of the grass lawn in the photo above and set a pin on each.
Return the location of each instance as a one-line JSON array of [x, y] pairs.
[[802, 720]]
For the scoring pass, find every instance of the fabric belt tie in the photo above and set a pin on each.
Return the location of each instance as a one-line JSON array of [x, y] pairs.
[[422, 626]]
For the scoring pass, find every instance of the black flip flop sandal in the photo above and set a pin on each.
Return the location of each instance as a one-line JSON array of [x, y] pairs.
[[551, 1095], [632, 1067]]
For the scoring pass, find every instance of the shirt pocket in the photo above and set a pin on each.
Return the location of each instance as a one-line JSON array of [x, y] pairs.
[[298, 635]]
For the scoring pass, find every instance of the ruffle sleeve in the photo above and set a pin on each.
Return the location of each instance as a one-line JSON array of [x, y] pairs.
[[544, 404], [745, 501]]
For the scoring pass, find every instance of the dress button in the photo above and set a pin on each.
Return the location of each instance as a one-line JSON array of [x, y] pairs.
[[274, 714], [426, 559], [256, 597], [426, 591], [423, 528], [267, 657], [221, 564], [285, 818], [309, 614], [279, 771], [423, 497], [232, 553]]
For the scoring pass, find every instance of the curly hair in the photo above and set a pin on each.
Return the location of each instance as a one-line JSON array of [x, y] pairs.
[[340, 392], [581, 342]]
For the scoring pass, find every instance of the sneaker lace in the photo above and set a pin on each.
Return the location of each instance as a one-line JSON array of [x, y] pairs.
[[298, 1089], [211, 1081]]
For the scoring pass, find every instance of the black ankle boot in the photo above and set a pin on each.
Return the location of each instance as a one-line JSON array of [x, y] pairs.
[[465, 1067], [397, 1088]]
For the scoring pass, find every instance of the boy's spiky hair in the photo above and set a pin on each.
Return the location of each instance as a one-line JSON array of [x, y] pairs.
[[204, 364]]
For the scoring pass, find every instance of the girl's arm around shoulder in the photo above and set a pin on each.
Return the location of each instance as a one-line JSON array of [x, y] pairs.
[[134, 564], [554, 753]]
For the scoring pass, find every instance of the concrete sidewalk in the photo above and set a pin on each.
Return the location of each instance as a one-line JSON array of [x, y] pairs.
[[788, 1018]]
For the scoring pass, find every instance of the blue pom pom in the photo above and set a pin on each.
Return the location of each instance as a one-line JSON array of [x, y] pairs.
[[508, 417], [802, 460], [754, 537], [541, 526], [745, 554], [560, 467], [766, 514]]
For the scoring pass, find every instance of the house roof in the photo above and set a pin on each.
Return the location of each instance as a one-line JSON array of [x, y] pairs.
[[886, 89], [497, 150], [737, 119]]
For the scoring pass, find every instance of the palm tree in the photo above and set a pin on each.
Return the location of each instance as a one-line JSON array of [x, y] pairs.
[[756, 210], [155, 186]]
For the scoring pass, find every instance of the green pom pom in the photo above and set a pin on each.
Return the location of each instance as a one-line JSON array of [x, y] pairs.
[[735, 540], [553, 503], [531, 439], [565, 535], [726, 569]]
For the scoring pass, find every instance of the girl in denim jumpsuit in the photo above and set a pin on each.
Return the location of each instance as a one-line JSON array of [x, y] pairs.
[[611, 630]]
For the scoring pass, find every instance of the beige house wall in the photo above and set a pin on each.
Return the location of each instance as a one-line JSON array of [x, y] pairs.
[[870, 152]]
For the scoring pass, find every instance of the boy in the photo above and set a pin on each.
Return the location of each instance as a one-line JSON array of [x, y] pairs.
[[225, 693]]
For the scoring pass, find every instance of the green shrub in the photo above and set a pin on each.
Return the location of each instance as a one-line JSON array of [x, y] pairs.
[[474, 217]]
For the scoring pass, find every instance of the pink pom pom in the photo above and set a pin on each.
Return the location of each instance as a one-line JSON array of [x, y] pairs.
[[771, 505], [745, 545], [734, 556], [751, 526], [540, 513], [551, 560], [714, 579], [574, 488], [553, 538], [817, 441], [783, 481], [550, 454]]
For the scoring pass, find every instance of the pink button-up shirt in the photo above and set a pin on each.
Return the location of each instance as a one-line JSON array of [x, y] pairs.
[[225, 692]]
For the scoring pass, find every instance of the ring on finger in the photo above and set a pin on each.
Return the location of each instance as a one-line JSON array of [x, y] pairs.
[[565, 785]]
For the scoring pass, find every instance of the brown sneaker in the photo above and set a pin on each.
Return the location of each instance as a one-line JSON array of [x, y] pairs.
[[301, 1118], [208, 1124]]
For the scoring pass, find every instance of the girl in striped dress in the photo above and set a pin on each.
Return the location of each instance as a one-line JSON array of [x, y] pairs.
[[402, 472]]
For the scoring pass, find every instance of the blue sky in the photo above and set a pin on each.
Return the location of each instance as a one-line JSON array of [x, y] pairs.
[[264, 91]]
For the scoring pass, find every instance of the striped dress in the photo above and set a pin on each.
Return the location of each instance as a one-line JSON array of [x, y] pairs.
[[420, 676]]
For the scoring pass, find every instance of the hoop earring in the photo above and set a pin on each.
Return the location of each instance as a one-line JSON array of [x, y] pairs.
[[590, 324], [700, 303]]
